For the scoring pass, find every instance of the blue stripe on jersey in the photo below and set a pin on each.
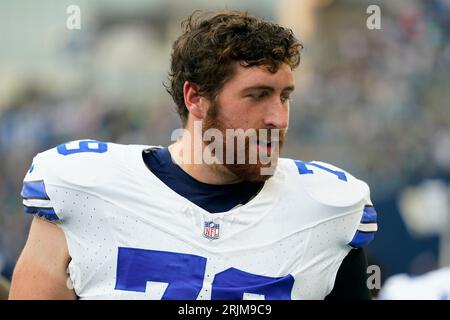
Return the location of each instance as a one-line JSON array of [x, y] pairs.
[[34, 190], [369, 215], [362, 239], [47, 213]]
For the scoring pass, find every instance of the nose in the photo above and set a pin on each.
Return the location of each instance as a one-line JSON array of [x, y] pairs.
[[277, 115]]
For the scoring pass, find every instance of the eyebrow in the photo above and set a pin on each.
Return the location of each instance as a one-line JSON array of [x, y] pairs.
[[268, 88]]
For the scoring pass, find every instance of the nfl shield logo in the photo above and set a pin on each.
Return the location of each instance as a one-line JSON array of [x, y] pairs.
[[211, 230]]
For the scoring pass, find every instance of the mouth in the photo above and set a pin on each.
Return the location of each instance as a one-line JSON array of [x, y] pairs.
[[265, 147], [268, 143]]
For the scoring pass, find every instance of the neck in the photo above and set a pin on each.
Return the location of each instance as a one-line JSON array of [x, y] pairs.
[[183, 153]]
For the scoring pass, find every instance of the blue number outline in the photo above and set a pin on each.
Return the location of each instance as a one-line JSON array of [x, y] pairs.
[[185, 274], [303, 169], [83, 147]]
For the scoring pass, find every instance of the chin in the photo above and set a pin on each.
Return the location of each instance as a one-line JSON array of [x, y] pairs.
[[254, 172]]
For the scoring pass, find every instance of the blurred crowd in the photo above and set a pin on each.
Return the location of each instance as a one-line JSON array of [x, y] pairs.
[[374, 102]]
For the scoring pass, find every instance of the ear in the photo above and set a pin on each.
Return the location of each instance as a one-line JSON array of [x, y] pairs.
[[195, 103]]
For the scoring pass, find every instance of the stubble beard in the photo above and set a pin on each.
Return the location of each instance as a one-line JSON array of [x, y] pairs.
[[254, 172]]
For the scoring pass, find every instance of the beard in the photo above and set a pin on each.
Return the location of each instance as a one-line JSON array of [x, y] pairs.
[[243, 165]]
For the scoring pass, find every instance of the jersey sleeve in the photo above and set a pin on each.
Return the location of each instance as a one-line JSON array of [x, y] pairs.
[[367, 226], [66, 169], [35, 198], [366, 229], [343, 196]]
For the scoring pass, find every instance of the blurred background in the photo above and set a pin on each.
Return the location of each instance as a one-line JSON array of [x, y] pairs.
[[373, 102]]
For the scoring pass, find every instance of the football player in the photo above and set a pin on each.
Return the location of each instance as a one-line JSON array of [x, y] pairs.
[[145, 222], [433, 285]]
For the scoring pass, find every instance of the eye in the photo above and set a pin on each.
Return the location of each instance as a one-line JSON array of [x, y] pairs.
[[285, 99], [258, 95], [263, 94]]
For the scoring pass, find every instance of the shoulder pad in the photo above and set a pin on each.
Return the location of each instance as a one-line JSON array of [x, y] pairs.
[[83, 163], [77, 166], [331, 185]]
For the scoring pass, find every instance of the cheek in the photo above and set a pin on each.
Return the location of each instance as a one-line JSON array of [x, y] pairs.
[[236, 116], [239, 113], [240, 120]]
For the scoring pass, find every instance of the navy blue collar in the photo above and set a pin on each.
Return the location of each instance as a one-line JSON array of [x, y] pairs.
[[212, 198]]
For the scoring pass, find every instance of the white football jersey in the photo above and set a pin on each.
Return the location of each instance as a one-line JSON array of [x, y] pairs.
[[132, 237], [434, 285]]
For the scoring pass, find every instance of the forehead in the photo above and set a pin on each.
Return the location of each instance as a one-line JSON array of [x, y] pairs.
[[254, 76]]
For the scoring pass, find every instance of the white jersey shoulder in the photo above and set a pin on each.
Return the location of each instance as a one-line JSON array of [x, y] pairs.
[[333, 193], [329, 184], [82, 165]]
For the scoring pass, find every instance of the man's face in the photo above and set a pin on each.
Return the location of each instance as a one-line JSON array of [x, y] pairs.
[[254, 98]]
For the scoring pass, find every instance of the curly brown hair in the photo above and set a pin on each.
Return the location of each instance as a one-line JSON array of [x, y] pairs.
[[210, 43]]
